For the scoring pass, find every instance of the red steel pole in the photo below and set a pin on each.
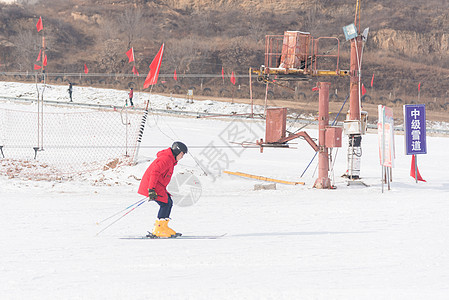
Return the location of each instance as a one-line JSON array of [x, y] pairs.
[[355, 138], [354, 100], [323, 181]]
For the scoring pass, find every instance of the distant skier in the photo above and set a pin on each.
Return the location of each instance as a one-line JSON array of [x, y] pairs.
[[70, 91], [131, 94], [154, 185]]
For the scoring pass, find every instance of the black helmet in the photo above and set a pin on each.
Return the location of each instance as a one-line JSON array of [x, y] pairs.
[[178, 147]]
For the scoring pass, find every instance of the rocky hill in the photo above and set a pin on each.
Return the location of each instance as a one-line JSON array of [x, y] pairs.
[[407, 45]]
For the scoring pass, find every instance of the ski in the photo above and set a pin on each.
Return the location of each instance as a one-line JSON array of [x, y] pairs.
[[152, 236], [181, 237]]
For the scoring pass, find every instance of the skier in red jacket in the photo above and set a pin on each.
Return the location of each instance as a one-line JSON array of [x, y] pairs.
[[154, 185]]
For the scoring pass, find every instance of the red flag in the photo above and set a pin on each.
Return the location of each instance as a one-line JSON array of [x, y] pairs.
[[155, 66], [412, 170], [175, 76], [130, 54], [233, 78], [39, 25], [44, 63], [372, 80], [135, 71], [222, 73], [39, 56], [37, 67], [363, 90], [86, 70], [419, 86], [314, 89]]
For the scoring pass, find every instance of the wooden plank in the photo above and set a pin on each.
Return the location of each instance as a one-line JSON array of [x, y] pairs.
[[263, 178]]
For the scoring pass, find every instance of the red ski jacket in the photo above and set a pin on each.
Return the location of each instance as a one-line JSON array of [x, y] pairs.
[[158, 175]]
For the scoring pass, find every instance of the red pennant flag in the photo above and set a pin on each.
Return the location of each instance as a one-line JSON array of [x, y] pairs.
[[37, 67], [39, 25], [155, 66], [175, 76], [419, 86], [130, 54], [233, 78], [86, 70], [372, 80], [314, 89], [39, 56], [222, 73], [135, 71], [44, 63], [412, 170], [363, 90]]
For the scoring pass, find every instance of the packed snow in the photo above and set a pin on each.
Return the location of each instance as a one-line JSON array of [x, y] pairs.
[[295, 242]]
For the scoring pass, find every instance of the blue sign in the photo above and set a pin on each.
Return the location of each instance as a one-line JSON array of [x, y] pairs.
[[415, 129]]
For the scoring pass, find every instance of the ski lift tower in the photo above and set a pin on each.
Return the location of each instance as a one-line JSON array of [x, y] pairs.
[[296, 56]]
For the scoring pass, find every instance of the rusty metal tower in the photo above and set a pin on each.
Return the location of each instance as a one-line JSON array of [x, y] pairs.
[[297, 56]]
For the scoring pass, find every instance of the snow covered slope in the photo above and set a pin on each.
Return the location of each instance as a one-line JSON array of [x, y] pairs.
[[294, 242]]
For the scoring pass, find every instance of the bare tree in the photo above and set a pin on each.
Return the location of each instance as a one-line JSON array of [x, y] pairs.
[[257, 30], [131, 24], [240, 55], [112, 57], [180, 54], [108, 29], [27, 47]]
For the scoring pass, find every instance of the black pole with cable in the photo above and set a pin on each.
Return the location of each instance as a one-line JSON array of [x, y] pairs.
[[335, 120]]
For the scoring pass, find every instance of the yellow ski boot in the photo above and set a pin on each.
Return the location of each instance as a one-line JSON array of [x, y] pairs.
[[160, 229], [171, 231]]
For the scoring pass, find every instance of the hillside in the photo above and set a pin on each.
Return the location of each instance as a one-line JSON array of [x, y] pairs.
[[407, 44]]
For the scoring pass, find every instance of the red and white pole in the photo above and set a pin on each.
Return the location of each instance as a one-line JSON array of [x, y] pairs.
[[323, 181], [354, 115]]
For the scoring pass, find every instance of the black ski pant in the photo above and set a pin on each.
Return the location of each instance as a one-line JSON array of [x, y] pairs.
[[165, 208]]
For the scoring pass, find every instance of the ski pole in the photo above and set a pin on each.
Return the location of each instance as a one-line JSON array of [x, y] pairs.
[[119, 218], [98, 223]]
